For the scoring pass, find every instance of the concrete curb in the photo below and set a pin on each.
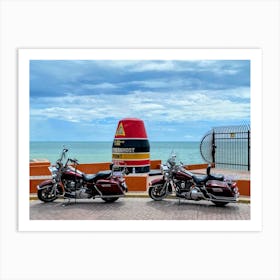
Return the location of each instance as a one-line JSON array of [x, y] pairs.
[[242, 199]]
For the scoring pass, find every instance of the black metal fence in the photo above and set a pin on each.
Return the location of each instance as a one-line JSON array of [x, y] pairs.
[[227, 147]]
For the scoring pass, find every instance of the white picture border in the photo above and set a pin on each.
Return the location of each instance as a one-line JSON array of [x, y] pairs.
[[24, 57]]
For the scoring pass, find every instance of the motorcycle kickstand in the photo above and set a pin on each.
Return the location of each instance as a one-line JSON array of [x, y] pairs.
[[66, 203]]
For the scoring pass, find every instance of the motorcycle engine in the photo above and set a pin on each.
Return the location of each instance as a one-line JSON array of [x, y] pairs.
[[187, 190], [183, 186], [71, 185], [76, 189]]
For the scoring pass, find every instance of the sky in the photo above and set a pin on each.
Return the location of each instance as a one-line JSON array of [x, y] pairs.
[[178, 100]]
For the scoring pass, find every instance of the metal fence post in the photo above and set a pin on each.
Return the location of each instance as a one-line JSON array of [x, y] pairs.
[[213, 147], [249, 151]]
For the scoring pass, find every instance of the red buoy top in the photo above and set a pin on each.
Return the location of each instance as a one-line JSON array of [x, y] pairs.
[[131, 128]]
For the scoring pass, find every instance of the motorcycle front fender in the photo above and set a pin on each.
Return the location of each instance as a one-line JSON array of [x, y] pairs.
[[47, 183], [160, 181], [44, 184], [157, 181]]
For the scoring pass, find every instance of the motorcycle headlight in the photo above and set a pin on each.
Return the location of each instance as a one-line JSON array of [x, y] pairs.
[[166, 175], [52, 169], [163, 168]]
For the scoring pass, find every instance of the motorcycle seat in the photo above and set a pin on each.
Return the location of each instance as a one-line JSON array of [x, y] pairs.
[[200, 179], [88, 177], [102, 175], [96, 177], [217, 177]]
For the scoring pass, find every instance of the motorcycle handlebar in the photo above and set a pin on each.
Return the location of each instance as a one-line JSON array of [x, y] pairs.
[[64, 151], [74, 160]]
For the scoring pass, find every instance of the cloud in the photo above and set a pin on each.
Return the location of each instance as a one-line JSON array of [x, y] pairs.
[[171, 94], [103, 86], [219, 67], [144, 66], [89, 77], [161, 106]]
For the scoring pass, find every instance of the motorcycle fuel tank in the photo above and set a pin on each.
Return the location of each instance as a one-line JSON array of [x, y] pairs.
[[70, 175], [182, 175]]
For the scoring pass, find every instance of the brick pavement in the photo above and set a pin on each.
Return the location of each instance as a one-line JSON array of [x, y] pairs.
[[137, 209]]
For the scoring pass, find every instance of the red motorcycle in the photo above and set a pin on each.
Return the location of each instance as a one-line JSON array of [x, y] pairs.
[[186, 185], [67, 181]]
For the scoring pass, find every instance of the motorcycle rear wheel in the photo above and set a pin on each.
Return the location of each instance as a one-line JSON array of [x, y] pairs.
[[45, 194], [110, 199], [219, 203], [156, 194]]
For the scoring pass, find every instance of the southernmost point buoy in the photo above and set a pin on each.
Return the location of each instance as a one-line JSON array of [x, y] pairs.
[[131, 147]]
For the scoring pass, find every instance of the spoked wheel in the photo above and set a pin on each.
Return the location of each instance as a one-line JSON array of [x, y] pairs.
[[47, 194], [110, 199], [158, 192]]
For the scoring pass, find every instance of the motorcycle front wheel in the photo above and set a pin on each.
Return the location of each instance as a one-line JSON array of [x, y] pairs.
[[157, 192], [46, 194]]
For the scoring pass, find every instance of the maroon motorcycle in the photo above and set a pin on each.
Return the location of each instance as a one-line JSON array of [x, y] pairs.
[[186, 185], [67, 181]]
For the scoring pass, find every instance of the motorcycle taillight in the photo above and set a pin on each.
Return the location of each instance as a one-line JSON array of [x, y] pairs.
[[233, 187]]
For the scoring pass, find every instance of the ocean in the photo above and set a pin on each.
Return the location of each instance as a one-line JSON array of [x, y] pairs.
[[90, 152]]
